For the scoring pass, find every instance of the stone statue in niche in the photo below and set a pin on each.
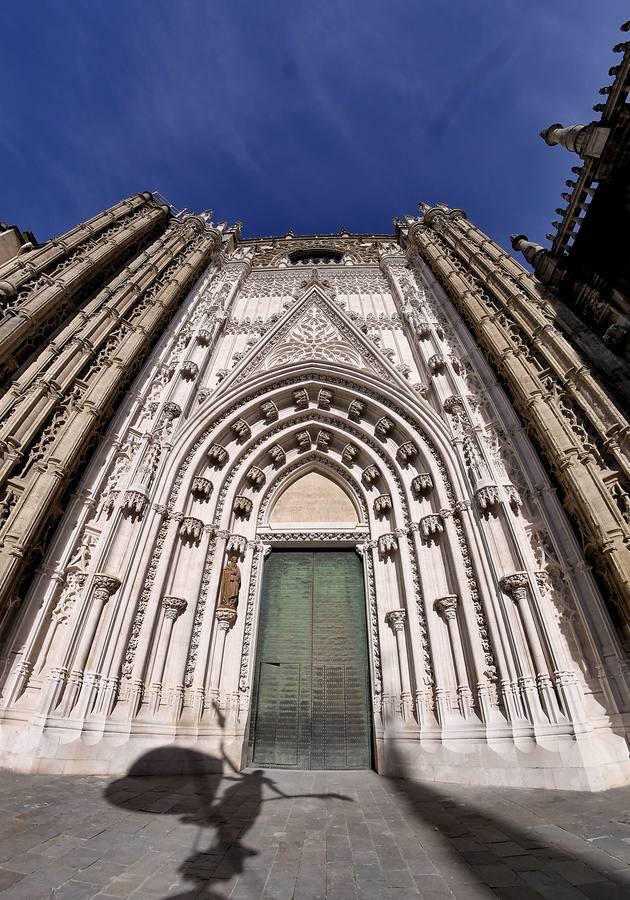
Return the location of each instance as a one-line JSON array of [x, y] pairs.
[[230, 585]]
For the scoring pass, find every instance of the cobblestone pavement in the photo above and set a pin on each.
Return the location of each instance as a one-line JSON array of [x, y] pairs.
[[283, 834]]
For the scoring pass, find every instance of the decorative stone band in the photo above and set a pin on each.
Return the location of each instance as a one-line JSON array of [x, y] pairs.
[[356, 410], [173, 607], [202, 487], [396, 618], [515, 585], [104, 586], [447, 606]]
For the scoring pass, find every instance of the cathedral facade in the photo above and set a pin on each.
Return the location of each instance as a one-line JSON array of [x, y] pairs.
[[332, 501]]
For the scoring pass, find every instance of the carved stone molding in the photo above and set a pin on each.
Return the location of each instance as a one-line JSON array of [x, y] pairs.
[[189, 370], [301, 398], [323, 441], [284, 537], [277, 454]]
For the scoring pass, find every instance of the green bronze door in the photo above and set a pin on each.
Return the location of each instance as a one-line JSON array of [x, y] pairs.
[[311, 699]]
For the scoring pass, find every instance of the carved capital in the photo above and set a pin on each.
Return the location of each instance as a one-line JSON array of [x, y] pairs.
[[173, 607], [447, 606], [396, 618], [225, 618], [105, 586], [515, 585]]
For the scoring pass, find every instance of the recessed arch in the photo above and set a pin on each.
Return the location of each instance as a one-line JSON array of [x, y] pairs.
[[313, 497]]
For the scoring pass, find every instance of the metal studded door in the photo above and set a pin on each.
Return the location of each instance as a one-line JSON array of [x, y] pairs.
[[311, 692]]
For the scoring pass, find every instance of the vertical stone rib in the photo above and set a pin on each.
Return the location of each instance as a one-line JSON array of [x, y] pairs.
[[569, 416]]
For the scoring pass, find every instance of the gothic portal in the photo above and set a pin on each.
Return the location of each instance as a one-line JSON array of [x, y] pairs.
[[333, 501]]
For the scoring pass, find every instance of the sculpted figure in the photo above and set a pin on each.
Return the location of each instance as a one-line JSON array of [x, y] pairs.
[[230, 585]]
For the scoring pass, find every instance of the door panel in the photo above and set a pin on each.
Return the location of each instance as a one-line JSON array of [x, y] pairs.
[[311, 695]]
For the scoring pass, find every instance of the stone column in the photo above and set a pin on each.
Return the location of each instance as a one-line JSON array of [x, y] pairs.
[[103, 586], [517, 587], [173, 608], [395, 618], [447, 607]]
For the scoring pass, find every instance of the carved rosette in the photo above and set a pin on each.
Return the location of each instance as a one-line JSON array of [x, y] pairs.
[[422, 483], [202, 487], [173, 607], [396, 619], [104, 586], [515, 586], [447, 606]]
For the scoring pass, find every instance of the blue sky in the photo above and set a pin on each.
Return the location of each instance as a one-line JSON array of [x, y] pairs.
[[303, 115]]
